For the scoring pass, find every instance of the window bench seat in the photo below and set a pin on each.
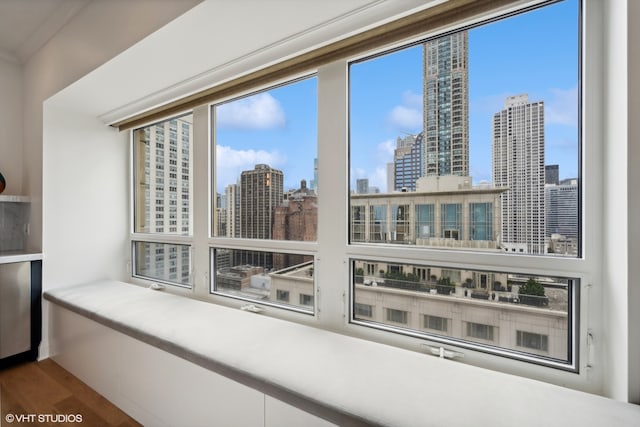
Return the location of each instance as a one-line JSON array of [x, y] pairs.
[[344, 380]]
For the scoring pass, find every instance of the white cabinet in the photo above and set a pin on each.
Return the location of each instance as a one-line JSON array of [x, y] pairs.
[[280, 414]]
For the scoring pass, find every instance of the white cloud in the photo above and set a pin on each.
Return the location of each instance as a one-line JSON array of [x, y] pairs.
[[386, 150], [562, 107], [379, 178], [230, 163], [261, 111], [408, 115], [358, 173], [376, 170], [413, 100]]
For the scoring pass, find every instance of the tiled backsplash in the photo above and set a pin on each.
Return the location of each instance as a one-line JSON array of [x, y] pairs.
[[14, 223]]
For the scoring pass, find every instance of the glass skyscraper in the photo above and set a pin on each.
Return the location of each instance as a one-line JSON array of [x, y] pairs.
[[446, 105]]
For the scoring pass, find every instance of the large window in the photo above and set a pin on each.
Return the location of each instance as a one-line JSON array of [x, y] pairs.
[[163, 177], [163, 262], [482, 123], [451, 171], [266, 147], [466, 146], [266, 190], [270, 278], [471, 306], [163, 202]]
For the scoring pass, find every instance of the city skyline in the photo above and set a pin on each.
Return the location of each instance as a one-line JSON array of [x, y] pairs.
[[279, 127]]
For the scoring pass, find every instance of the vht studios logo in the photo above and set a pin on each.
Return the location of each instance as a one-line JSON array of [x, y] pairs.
[[43, 418]]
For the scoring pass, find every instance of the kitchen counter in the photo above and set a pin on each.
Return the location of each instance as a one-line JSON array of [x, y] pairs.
[[19, 256]]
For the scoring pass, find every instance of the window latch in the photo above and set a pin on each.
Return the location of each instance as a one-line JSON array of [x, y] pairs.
[[443, 352], [252, 308]]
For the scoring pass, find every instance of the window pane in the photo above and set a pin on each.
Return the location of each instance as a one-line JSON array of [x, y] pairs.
[[164, 262], [164, 177], [266, 164], [265, 277], [477, 133], [469, 306]]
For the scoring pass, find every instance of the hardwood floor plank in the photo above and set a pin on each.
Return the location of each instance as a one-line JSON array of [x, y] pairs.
[[33, 389], [100, 406], [45, 388]]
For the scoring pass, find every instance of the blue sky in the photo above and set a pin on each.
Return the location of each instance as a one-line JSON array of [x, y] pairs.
[[534, 53]]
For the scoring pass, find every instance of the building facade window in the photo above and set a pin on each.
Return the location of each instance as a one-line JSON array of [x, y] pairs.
[[481, 221], [282, 295], [451, 221], [532, 340], [364, 310], [436, 323], [377, 223], [306, 299], [480, 331], [425, 221], [397, 316]]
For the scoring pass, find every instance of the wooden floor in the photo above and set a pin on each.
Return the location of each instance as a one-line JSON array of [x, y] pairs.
[[45, 394]]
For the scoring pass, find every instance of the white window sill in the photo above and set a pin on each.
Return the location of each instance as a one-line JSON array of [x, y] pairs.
[[362, 379]]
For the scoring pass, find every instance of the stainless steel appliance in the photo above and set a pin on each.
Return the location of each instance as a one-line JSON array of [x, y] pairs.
[[20, 310]]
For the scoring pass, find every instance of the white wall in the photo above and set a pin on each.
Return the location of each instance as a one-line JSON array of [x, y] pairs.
[[89, 39], [85, 201], [11, 125], [79, 170]]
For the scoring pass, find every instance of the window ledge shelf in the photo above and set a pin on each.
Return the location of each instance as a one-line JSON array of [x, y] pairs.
[[359, 379]]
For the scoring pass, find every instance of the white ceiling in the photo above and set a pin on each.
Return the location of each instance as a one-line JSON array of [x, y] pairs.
[[26, 25], [218, 40]]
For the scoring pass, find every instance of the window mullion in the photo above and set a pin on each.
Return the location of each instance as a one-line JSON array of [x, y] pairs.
[[332, 268], [200, 201]]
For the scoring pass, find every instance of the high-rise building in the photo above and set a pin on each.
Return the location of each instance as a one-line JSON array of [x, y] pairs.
[[561, 206], [163, 167], [446, 105], [408, 160], [362, 186], [232, 211], [552, 174], [261, 191], [164, 156], [518, 164]]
